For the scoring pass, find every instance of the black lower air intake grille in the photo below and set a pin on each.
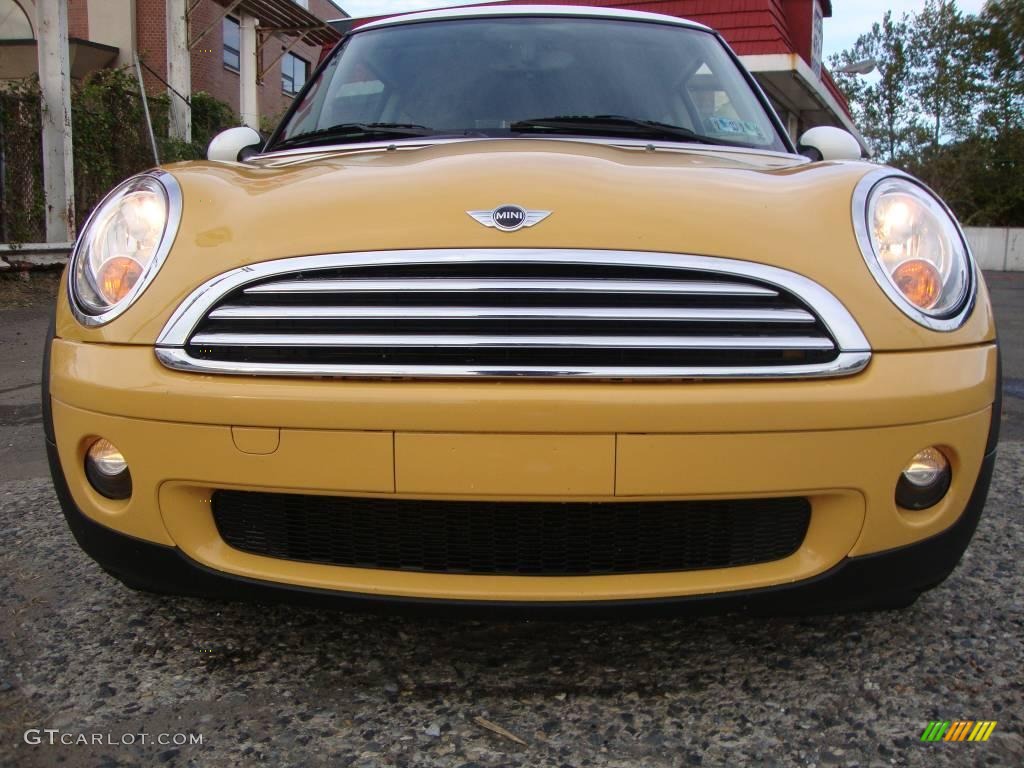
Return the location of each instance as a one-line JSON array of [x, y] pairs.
[[506, 538]]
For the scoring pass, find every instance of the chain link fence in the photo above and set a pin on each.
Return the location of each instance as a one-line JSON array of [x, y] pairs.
[[22, 212]]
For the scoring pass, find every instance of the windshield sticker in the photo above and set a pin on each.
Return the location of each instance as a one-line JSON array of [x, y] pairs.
[[361, 88], [727, 125]]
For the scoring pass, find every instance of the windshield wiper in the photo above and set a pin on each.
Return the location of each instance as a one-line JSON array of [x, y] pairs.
[[363, 131], [615, 125]]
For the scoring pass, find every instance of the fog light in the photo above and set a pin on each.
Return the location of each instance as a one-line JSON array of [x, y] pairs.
[[107, 470], [924, 481]]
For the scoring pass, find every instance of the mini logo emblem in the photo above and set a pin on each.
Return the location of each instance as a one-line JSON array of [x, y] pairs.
[[509, 218]]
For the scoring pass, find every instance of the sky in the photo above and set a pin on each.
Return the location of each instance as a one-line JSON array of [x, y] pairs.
[[359, 8], [850, 18]]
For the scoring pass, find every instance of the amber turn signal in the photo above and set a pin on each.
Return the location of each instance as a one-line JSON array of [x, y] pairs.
[[117, 277], [919, 281]]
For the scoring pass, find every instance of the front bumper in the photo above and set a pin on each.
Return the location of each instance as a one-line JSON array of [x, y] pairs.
[[839, 443]]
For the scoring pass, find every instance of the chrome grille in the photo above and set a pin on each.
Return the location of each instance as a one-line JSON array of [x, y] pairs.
[[513, 313]]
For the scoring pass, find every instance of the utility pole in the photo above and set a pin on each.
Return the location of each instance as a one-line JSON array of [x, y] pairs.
[[179, 70], [58, 157], [247, 72]]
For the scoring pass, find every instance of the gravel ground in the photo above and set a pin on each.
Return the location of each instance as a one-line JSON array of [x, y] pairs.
[[24, 289], [295, 687]]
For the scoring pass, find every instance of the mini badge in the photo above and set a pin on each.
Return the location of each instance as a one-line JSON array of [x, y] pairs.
[[509, 218]]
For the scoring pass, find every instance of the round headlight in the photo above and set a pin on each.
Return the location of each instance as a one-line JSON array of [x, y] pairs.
[[122, 246], [915, 249]]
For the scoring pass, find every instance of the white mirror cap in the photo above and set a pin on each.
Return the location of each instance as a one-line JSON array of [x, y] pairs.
[[227, 144], [831, 143]]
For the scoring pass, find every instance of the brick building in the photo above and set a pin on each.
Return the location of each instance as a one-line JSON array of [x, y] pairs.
[[109, 33]]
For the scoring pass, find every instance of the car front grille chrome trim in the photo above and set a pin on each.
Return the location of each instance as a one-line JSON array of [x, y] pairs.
[[510, 313], [691, 315], [844, 364], [489, 285], [497, 340]]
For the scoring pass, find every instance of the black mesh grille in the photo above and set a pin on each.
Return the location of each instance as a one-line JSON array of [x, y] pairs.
[[508, 538]]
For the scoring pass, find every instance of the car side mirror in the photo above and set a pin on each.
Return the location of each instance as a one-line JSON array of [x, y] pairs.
[[828, 143], [227, 146]]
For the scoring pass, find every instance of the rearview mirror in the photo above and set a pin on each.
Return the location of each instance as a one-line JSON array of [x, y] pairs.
[[828, 143], [227, 145]]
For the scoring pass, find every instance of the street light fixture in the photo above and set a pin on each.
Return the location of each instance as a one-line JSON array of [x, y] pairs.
[[862, 67]]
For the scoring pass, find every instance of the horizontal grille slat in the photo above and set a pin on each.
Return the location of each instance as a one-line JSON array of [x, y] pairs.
[[490, 285], [508, 313], [546, 342], [512, 538], [625, 314]]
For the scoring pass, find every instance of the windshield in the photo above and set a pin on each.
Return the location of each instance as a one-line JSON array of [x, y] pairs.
[[531, 76]]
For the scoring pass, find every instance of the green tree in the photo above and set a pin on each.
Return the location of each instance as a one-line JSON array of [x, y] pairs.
[[881, 108], [948, 104], [1001, 42], [946, 70]]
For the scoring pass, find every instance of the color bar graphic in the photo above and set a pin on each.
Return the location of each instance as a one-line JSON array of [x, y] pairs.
[[958, 730]]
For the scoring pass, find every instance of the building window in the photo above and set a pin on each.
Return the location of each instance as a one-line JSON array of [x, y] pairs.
[[294, 72], [232, 44]]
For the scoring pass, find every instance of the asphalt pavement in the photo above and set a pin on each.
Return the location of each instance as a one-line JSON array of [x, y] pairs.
[[87, 661]]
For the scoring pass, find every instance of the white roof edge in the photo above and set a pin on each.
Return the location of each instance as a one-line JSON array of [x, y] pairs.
[[476, 11], [792, 62]]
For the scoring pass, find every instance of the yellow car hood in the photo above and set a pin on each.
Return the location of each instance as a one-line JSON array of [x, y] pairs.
[[762, 207]]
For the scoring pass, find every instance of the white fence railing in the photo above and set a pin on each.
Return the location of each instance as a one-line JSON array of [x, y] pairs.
[[33, 255], [1000, 249]]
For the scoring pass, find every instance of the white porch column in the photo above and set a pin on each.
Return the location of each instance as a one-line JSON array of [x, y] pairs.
[[793, 125], [55, 81], [249, 105], [179, 70]]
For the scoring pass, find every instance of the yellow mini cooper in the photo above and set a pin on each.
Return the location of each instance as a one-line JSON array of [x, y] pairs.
[[526, 309]]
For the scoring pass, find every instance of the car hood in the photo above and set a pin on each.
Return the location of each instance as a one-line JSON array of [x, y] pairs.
[[699, 201], [757, 206]]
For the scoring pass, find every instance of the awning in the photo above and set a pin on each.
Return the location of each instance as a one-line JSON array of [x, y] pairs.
[[285, 17], [788, 79], [276, 17], [19, 58]]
